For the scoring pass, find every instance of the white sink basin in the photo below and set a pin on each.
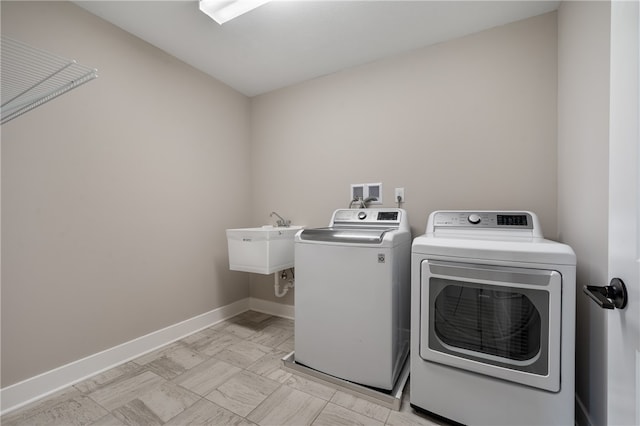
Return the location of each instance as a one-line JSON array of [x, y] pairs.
[[263, 250]]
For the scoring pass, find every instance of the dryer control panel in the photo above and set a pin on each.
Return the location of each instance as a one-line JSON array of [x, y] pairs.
[[483, 219]]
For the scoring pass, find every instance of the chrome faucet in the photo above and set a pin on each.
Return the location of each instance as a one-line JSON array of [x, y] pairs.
[[281, 222]]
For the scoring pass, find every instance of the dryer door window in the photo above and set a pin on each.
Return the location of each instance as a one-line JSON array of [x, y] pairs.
[[493, 320], [488, 323]]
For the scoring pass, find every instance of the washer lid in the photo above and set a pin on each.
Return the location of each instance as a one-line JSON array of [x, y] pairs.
[[345, 234]]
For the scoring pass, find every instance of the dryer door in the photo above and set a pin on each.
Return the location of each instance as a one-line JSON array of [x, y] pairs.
[[499, 321]]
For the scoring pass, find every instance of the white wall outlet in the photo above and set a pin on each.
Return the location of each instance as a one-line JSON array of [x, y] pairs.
[[399, 195]]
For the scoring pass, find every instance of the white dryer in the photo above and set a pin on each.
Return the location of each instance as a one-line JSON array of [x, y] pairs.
[[352, 296], [492, 320]]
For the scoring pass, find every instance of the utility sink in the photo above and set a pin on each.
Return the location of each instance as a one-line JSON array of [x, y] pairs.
[[263, 250]]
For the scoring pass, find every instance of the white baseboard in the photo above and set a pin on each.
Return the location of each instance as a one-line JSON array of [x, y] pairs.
[[272, 308], [22, 393], [37, 387]]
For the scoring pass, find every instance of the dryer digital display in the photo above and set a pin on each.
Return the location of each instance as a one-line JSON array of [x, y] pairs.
[[512, 220]]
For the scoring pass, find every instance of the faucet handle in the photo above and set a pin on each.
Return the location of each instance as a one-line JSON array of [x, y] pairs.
[[281, 222]]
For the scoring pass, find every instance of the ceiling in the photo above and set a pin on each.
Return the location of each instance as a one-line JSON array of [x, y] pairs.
[[288, 42]]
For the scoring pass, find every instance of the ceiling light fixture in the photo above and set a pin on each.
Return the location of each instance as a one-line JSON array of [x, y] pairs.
[[222, 11]]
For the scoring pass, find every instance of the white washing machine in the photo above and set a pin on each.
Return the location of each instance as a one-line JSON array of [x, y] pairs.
[[492, 320], [352, 310]]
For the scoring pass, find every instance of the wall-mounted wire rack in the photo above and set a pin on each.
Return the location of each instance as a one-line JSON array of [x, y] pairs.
[[31, 77]]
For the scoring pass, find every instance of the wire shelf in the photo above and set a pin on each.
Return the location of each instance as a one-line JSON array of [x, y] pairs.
[[31, 77]]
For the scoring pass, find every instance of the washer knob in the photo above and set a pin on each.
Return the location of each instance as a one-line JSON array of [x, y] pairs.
[[474, 219], [362, 215]]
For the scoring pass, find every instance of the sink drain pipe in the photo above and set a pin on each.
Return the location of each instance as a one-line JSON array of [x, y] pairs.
[[285, 288]]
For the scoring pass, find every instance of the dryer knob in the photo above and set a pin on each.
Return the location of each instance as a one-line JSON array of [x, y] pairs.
[[474, 218], [362, 215]]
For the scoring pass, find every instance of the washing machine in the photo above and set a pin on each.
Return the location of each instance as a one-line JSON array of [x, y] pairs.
[[492, 320], [352, 298]]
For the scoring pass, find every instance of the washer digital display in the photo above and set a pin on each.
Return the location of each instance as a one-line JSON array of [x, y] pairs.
[[387, 215]]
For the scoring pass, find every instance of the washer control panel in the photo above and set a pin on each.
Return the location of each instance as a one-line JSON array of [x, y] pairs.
[[483, 219], [368, 217]]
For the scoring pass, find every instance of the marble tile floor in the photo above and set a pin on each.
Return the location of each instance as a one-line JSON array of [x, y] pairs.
[[228, 374]]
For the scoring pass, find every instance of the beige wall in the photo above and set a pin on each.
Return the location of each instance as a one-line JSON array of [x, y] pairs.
[[470, 123], [115, 196], [583, 171]]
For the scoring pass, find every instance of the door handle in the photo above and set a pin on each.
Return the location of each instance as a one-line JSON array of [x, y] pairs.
[[611, 296]]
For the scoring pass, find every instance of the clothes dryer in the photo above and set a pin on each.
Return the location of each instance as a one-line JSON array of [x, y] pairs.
[[352, 296], [493, 320]]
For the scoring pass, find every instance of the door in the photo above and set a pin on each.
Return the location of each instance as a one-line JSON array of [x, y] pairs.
[[495, 320], [623, 325]]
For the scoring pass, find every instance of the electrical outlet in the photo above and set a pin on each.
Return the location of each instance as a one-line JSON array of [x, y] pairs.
[[399, 195]]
